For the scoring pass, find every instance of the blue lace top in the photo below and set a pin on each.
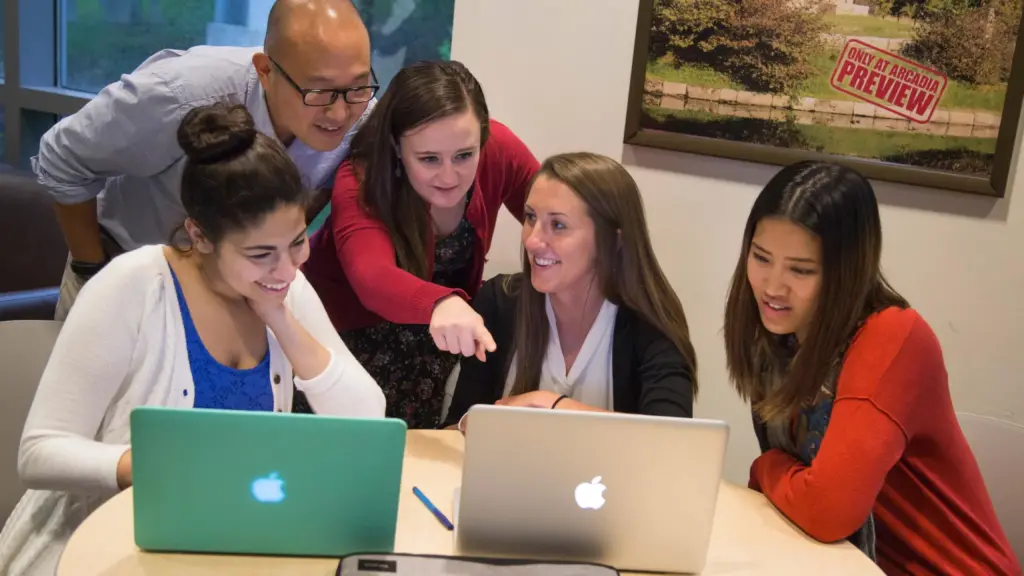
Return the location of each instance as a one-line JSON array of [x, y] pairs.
[[219, 386]]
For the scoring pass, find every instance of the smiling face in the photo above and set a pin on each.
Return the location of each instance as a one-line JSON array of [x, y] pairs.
[[440, 158], [784, 271], [260, 261], [559, 238], [326, 54]]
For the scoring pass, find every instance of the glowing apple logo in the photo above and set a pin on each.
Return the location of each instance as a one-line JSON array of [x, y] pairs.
[[269, 489], [590, 495]]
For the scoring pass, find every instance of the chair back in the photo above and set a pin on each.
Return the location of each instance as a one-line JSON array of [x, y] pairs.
[[998, 446], [26, 212], [25, 347], [30, 275]]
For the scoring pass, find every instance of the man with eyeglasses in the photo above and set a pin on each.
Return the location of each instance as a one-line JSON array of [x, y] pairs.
[[114, 168]]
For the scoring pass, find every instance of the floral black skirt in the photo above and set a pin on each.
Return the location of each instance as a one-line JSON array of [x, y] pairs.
[[407, 365], [402, 358], [409, 368]]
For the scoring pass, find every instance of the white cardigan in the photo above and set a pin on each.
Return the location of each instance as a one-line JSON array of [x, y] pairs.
[[122, 346]]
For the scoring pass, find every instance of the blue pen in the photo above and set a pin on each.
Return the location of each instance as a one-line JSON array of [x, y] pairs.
[[433, 509]]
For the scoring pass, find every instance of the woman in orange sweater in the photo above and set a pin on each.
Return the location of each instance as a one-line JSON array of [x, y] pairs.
[[849, 389]]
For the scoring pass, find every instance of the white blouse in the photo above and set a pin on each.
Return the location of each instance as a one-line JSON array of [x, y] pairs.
[[122, 346], [590, 379]]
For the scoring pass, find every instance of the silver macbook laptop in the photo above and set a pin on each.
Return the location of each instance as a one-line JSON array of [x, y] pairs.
[[633, 492]]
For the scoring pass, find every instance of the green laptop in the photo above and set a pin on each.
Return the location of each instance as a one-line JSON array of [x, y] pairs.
[[234, 482]]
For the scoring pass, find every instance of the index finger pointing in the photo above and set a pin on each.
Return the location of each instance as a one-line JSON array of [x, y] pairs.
[[485, 339]]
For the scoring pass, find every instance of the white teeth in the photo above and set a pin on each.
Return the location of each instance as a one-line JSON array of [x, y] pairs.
[[328, 128], [544, 261], [776, 307], [274, 287]]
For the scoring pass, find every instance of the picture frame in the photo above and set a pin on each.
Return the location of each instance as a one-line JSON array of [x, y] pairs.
[[912, 147]]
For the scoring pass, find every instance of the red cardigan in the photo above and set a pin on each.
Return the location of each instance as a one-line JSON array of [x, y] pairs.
[[352, 260], [894, 446]]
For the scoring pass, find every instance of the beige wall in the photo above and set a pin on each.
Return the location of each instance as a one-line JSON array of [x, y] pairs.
[[556, 71]]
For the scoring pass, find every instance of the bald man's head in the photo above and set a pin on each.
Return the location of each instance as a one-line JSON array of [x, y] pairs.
[[314, 45], [293, 21]]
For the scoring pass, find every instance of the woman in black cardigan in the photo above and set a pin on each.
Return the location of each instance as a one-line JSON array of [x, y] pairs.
[[590, 323]]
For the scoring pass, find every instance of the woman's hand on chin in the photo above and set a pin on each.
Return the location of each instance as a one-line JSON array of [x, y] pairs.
[[270, 309]]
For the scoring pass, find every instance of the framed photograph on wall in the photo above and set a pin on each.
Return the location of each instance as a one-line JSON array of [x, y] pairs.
[[924, 92]]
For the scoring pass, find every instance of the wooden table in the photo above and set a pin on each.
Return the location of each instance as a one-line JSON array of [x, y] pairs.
[[749, 535]]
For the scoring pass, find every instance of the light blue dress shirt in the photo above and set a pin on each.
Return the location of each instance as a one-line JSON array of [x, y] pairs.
[[122, 146]]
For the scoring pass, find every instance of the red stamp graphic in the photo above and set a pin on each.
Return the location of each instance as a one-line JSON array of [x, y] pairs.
[[888, 81]]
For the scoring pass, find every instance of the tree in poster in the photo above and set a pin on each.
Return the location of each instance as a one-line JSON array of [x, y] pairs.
[[765, 45], [969, 40], [762, 72]]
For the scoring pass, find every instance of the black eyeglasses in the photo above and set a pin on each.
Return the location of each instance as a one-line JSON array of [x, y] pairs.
[[328, 96]]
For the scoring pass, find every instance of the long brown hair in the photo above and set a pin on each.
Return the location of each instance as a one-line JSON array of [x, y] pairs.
[[418, 94], [628, 273], [837, 205]]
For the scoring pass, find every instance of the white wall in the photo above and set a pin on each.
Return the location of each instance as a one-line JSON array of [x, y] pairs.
[[557, 72]]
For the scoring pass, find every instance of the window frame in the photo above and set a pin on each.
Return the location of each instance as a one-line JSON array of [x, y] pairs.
[[31, 95], [30, 84]]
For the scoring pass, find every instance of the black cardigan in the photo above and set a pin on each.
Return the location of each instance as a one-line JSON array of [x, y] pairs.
[[649, 374]]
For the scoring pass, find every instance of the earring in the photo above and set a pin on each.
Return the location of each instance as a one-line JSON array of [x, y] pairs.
[[398, 170]]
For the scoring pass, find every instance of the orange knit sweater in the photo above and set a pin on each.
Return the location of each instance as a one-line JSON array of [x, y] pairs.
[[894, 447]]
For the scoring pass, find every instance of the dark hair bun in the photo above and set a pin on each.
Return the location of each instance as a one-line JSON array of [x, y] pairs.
[[216, 132]]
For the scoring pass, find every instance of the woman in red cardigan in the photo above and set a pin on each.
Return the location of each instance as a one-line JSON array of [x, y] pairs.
[[849, 389], [412, 216]]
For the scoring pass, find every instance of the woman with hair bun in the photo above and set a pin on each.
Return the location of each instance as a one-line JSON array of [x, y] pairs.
[[220, 318]]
